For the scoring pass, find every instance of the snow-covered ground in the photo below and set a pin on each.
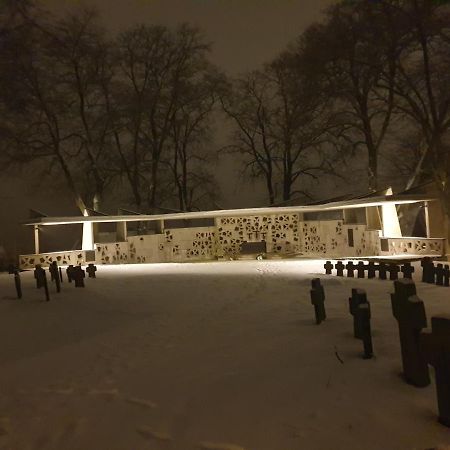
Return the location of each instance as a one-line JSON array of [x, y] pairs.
[[207, 356]]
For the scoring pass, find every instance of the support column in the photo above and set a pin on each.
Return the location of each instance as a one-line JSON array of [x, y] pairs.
[[159, 227], [427, 219], [121, 231], [36, 239], [87, 242]]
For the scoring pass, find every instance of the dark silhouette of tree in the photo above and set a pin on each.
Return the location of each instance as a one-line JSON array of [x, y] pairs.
[[353, 53], [155, 65]]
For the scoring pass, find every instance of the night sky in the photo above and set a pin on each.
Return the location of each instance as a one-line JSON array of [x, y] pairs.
[[243, 33]]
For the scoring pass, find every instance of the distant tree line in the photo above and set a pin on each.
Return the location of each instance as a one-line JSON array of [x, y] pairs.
[[371, 82]]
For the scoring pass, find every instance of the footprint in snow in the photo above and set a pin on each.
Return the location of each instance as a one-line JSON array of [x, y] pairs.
[[154, 434], [141, 402], [219, 446]]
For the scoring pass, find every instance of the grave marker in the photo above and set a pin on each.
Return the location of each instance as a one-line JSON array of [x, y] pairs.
[[435, 345], [361, 268], [91, 269], [78, 275], [439, 271], [363, 315], [382, 271], [393, 271], [53, 269], [407, 270], [318, 300], [409, 311], [358, 297], [371, 270], [18, 284], [339, 266], [69, 272], [350, 269]]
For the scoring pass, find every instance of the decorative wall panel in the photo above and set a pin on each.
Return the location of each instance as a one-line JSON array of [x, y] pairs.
[[74, 257], [413, 246], [280, 232], [111, 253]]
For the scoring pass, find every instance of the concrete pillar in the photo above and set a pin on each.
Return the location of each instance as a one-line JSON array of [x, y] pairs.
[[159, 226], [36, 239], [87, 242], [121, 231]]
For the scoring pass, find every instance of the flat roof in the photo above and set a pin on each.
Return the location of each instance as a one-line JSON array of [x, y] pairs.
[[332, 206]]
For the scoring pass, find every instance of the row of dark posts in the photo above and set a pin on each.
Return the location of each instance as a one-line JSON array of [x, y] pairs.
[[439, 274], [75, 273], [418, 348]]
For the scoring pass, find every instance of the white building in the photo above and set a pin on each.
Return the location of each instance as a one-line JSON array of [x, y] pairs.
[[362, 227]]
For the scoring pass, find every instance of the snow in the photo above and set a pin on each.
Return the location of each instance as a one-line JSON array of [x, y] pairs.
[[217, 356]]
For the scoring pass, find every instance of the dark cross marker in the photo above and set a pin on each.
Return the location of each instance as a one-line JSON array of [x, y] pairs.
[[358, 297], [409, 311], [428, 273], [424, 262], [439, 274], [38, 275], [371, 270], [363, 317], [382, 271], [328, 267], [78, 276], [69, 272], [360, 268], [350, 269], [91, 269], [407, 270], [393, 271], [18, 284], [339, 266], [435, 345], [53, 269], [318, 300]]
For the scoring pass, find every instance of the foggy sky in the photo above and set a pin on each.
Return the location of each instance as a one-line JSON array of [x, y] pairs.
[[243, 34]]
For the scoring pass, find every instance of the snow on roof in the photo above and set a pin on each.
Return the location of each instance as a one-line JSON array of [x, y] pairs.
[[347, 204]]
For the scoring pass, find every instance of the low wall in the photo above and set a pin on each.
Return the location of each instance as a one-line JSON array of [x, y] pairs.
[[73, 257], [412, 246]]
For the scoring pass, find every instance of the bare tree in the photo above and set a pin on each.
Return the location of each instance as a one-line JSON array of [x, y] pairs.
[[190, 141], [281, 122], [248, 103], [302, 125], [59, 120], [155, 64], [354, 53]]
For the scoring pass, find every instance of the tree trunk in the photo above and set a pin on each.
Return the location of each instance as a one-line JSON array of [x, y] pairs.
[[373, 171]]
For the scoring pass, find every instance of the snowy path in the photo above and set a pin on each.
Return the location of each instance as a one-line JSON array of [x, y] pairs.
[[206, 356]]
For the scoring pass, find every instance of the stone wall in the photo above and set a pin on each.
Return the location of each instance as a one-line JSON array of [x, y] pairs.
[[73, 257], [412, 246], [279, 231], [174, 245], [330, 238], [112, 253]]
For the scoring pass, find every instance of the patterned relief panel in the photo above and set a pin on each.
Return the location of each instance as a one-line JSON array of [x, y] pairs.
[[190, 244], [74, 257], [111, 253], [413, 246], [280, 232], [366, 242], [147, 248], [330, 238]]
